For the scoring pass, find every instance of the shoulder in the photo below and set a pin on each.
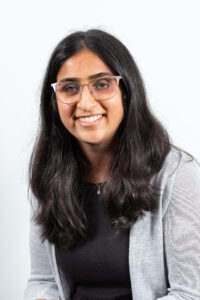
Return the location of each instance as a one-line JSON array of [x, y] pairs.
[[178, 159], [180, 171]]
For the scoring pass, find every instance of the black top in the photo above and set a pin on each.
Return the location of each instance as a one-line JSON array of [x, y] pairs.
[[97, 268]]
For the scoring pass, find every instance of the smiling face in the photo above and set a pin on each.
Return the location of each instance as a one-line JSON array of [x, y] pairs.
[[90, 121]]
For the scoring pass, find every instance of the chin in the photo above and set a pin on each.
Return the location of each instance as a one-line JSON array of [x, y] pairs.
[[91, 142], [91, 139]]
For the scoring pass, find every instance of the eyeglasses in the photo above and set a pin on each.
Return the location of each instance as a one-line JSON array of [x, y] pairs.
[[102, 88]]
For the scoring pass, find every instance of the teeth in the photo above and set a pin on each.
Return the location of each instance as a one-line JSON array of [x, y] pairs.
[[90, 119]]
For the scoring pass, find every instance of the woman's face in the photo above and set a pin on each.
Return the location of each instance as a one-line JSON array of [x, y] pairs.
[[110, 112]]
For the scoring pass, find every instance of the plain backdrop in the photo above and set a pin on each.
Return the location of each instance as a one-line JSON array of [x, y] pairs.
[[163, 37]]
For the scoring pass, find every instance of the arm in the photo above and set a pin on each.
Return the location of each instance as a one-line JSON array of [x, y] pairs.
[[41, 284], [181, 224]]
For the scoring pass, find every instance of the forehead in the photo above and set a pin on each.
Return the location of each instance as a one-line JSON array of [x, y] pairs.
[[82, 65]]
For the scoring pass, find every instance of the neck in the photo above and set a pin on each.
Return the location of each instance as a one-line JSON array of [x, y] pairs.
[[100, 159]]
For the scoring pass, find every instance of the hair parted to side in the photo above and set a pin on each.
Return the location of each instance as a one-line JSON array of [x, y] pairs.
[[57, 161]]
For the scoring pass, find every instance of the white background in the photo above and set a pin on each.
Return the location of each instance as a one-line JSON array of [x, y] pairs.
[[163, 37]]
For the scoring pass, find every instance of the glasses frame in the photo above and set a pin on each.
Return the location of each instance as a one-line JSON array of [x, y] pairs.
[[90, 90]]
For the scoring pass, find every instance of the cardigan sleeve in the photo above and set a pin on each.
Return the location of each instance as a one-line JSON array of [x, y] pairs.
[[41, 283], [181, 225]]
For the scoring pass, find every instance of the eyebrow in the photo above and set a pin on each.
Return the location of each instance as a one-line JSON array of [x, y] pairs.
[[94, 76]]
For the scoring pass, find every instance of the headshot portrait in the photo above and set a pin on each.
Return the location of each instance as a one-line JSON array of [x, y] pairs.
[[100, 148]]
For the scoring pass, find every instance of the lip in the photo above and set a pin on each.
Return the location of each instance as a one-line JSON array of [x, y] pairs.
[[86, 116], [92, 123]]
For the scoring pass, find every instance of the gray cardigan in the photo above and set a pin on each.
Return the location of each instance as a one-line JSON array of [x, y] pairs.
[[164, 246]]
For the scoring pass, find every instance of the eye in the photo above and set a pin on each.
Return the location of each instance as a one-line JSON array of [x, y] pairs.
[[69, 88], [103, 83]]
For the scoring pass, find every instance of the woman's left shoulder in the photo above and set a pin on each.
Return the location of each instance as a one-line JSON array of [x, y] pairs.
[[180, 172], [187, 176], [178, 159]]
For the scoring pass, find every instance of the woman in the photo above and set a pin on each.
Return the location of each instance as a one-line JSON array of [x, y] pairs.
[[116, 206]]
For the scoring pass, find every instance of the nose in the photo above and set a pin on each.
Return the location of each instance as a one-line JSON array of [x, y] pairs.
[[86, 101]]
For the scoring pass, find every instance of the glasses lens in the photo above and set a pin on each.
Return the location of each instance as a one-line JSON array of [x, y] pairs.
[[104, 88], [68, 92]]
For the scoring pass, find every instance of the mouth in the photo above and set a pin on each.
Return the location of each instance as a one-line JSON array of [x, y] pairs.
[[90, 120]]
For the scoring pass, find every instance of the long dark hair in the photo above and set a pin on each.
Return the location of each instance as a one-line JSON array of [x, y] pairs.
[[57, 161]]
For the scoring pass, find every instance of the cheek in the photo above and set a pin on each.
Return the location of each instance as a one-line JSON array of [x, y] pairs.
[[64, 113], [118, 109], [119, 104]]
